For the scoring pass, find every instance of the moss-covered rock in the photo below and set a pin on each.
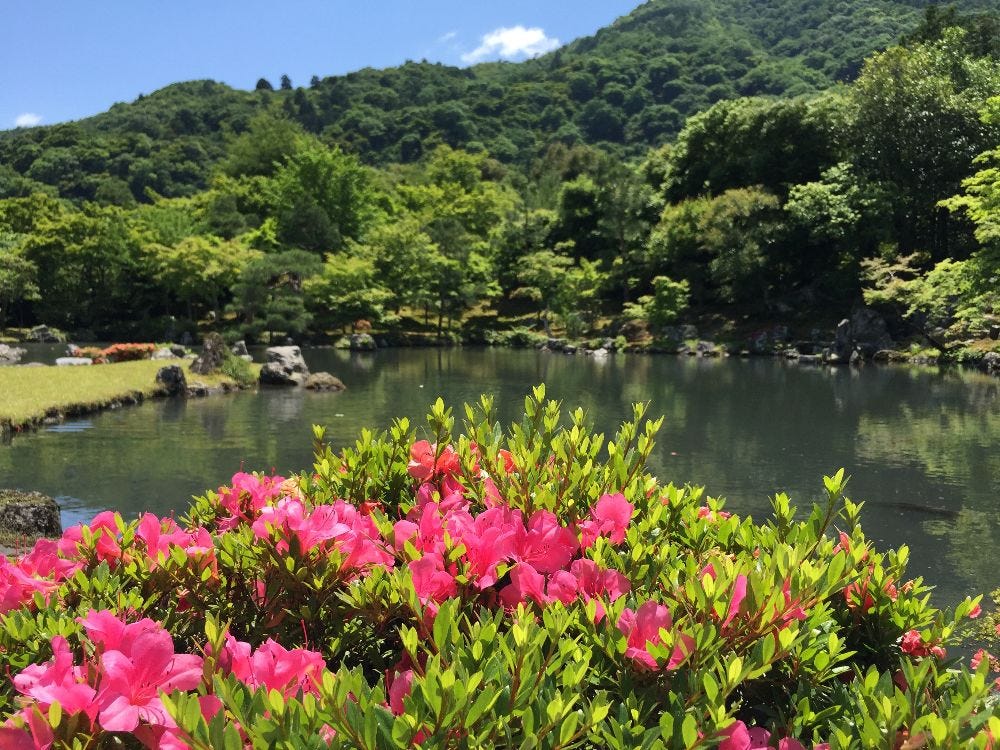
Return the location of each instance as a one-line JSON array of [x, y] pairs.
[[25, 516]]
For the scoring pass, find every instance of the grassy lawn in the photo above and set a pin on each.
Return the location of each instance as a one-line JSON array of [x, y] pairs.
[[29, 393]]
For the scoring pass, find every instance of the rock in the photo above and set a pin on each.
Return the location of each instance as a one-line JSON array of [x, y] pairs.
[[177, 350], [362, 342], [706, 349], [811, 359], [868, 327], [555, 345], [792, 353], [323, 381], [163, 353], [240, 349], [45, 335], [10, 355], [842, 340], [73, 361], [172, 379], [284, 365], [856, 359], [994, 332], [197, 390], [213, 354], [30, 514], [569, 349], [992, 362]]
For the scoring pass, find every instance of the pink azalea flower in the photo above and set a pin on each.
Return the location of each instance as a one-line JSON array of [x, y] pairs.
[[489, 539], [430, 579], [735, 737], [273, 666], [563, 586], [546, 545], [21, 739], [789, 743], [739, 594], [109, 632], [643, 627], [247, 496], [525, 583], [423, 465], [398, 687], [289, 518], [58, 681], [132, 681], [610, 517]]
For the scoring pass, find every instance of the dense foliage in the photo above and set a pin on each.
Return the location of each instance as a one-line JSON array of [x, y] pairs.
[[696, 143], [488, 589]]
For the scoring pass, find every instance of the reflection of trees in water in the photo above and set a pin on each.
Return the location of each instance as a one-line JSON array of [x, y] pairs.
[[970, 538], [950, 428]]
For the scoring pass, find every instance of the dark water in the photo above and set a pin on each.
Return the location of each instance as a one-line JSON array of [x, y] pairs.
[[922, 447]]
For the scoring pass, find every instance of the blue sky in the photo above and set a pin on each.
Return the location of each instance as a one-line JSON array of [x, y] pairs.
[[62, 60]]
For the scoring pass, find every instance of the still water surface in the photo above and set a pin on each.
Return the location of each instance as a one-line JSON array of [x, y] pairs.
[[922, 446]]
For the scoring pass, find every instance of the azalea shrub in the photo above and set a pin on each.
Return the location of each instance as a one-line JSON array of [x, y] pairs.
[[534, 587], [127, 352]]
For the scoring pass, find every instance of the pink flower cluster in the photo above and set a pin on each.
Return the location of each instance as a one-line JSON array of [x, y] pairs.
[[325, 527], [542, 553], [740, 737], [119, 687], [40, 571]]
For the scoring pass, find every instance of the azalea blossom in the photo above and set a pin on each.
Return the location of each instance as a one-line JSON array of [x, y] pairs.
[[609, 517], [643, 626]]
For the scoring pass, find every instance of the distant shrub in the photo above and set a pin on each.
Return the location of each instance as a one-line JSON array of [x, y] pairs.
[[239, 370], [128, 352]]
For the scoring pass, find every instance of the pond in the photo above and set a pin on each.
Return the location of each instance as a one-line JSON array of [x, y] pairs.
[[919, 444]]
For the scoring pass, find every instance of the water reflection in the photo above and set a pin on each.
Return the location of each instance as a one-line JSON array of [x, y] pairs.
[[919, 444]]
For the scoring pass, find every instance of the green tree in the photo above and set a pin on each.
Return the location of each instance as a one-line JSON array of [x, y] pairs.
[[263, 147], [199, 270], [321, 198], [542, 276], [18, 276], [347, 289], [268, 297], [918, 130]]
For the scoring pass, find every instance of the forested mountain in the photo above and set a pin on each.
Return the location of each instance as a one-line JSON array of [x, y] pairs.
[[744, 163], [628, 87]]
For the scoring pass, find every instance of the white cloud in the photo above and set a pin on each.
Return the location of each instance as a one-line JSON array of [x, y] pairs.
[[445, 38], [27, 120], [509, 43]]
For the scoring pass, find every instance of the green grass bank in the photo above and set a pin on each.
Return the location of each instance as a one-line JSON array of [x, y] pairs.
[[28, 395]]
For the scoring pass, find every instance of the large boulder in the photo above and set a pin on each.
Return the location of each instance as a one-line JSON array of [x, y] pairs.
[[283, 365], [73, 361], [240, 349], [868, 327], [213, 354], [28, 514], [842, 346], [324, 381], [172, 380], [10, 355], [163, 353]]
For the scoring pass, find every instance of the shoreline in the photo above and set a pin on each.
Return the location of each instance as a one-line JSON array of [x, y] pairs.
[[137, 384]]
